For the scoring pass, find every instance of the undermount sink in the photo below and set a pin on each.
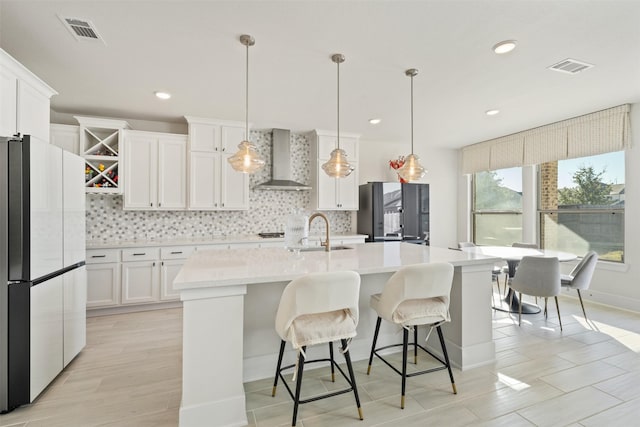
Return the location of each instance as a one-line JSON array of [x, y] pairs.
[[322, 248]]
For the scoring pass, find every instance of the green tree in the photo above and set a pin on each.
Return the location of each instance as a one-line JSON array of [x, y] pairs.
[[490, 193], [589, 189]]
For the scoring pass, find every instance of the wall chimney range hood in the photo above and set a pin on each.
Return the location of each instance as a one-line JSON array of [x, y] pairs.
[[281, 164]]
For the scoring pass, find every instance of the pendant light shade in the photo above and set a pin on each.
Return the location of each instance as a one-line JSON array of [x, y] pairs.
[[412, 170], [338, 166], [246, 159]]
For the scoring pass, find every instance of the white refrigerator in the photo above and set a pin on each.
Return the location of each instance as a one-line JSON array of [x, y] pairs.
[[42, 272]]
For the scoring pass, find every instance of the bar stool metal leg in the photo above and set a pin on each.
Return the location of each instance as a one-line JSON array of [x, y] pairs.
[[415, 345], [446, 359], [405, 341], [352, 377], [333, 372], [373, 345], [275, 381], [296, 400]]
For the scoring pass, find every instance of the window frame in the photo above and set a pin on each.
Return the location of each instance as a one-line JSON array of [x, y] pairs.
[[475, 212], [540, 213]]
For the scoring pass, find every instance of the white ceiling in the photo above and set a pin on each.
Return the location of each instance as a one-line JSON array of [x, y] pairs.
[[191, 49]]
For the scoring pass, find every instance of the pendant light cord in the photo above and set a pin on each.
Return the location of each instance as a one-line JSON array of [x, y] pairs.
[[412, 114], [246, 117], [338, 98]]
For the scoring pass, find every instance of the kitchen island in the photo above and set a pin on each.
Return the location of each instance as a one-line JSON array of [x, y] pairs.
[[230, 299]]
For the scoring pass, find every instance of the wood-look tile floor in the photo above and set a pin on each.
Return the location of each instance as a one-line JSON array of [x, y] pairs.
[[130, 375]]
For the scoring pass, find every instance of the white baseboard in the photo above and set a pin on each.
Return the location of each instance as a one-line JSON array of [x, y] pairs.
[[121, 309]]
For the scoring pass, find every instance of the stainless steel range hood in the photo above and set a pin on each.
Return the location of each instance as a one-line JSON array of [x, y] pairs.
[[281, 164]]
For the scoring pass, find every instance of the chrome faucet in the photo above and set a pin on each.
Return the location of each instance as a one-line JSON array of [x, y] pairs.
[[327, 246]]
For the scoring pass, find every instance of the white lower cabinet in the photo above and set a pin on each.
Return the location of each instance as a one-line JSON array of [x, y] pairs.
[[145, 275], [140, 282], [103, 278], [168, 271], [140, 275], [172, 260]]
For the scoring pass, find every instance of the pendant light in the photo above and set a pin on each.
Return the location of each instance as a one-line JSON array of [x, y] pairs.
[[338, 166], [246, 159], [412, 170]]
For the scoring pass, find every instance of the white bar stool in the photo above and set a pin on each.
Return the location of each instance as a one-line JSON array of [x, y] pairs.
[[415, 295], [315, 309]]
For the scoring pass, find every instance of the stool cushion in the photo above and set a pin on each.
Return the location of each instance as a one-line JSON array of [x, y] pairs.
[[421, 311], [318, 328]]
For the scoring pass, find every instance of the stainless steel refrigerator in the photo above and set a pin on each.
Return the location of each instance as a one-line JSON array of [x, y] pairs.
[[394, 211], [42, 273]]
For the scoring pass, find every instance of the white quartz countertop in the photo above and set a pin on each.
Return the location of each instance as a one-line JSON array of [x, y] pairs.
[[245, 266], [212, 240]]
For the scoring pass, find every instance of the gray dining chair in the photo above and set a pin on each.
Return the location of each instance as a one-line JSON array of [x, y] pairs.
[[580, 276], [520, 245], [540, 277]]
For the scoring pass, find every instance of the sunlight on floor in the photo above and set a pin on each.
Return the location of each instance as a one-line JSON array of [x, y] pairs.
[[512, 382], [627, 338]]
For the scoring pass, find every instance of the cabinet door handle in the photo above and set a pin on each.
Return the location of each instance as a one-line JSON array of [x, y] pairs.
[[224, 148], [159, 204], [98, 256], [151, 204], [154, 263], [139, 254], [162, 263], [222, 205], [176, 252]]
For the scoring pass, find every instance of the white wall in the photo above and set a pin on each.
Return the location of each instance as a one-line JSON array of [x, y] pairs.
[[442, 177], [613, 284]]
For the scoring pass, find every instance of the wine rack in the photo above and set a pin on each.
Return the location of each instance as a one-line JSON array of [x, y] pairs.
[[100, 141]]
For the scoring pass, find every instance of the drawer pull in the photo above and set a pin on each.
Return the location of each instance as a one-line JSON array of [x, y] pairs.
[[98, 256], [176, 252], [139, 254]]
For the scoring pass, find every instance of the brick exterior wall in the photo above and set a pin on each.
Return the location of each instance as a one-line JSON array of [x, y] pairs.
[[548, 200]]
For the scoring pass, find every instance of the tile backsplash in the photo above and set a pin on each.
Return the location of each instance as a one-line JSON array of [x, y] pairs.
[[268, 210]]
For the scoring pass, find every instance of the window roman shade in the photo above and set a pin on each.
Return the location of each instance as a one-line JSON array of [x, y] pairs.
[[600, 132]]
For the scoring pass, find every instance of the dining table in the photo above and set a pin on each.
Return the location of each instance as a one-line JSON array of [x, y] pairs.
[[512, 256]]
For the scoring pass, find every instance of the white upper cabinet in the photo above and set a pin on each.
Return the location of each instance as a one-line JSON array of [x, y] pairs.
[[156, 170], [333, 194], [24, 100], [213, 184], [204, 137], [234, 185], [172, 172], [66, 137]]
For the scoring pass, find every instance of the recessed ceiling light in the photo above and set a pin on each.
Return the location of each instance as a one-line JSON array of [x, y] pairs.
[[492, 112], [504, 46], [374, 121], [163, 95]]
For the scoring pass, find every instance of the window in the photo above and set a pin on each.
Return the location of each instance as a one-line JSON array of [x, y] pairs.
[[497, 207], [581, 205]]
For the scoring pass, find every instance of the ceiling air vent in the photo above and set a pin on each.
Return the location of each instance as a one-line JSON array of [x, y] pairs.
[[82, 29], [570, 66]]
